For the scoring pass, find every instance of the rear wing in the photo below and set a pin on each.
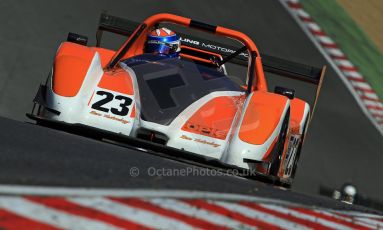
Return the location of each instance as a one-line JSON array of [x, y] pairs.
[[271, 64]]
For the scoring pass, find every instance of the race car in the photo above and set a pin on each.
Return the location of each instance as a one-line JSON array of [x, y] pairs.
[[189, 104]]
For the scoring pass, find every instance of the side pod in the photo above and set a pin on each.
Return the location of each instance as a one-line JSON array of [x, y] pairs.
[[71, 64], [258, 128]]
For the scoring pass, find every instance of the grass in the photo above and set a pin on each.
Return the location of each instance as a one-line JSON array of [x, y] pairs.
[[360, 50]]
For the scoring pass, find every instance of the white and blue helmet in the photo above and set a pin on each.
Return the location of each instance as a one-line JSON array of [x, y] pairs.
[[164, 42]]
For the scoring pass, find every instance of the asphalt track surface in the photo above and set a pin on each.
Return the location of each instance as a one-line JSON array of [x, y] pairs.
[[341, 144]]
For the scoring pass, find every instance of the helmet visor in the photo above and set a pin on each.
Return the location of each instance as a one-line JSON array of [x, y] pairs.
[[162, 47]]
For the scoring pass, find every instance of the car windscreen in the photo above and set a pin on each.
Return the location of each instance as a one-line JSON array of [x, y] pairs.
[[167, 86]]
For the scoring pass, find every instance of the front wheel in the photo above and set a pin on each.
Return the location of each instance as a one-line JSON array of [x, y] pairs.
[[275, 164], [295, 164]]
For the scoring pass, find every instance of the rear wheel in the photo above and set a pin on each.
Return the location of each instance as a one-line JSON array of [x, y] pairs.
[[275, 163]]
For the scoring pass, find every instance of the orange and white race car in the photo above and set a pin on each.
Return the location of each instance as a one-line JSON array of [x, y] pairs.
[[186, 106]]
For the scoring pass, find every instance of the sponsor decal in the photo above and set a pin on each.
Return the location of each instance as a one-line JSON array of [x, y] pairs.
[[212, 143], [190, 41], [123, 121], [211, 46], [206, 131], [95, 113], [222, 49], [186, 137], [201, 141]]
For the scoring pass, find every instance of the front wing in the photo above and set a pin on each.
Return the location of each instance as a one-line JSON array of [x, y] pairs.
[[160, 150]]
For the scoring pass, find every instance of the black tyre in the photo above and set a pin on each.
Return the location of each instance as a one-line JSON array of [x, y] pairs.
[[276, 162], [295, 164]]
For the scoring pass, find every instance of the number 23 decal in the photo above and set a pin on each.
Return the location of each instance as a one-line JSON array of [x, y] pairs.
[[122, 110]]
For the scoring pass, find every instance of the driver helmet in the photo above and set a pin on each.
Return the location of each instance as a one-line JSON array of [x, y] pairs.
[[164, 42], [348, 193]]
